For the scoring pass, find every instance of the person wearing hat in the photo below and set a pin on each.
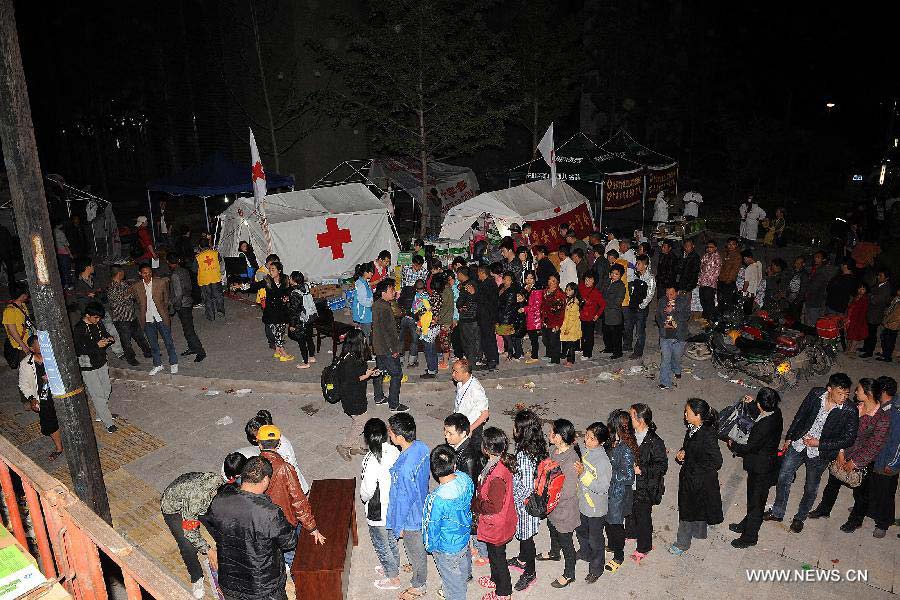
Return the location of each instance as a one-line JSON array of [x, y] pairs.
[[145, 239], [284, 488]]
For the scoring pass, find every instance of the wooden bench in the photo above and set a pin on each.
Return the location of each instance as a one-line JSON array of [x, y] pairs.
[[322, 572]]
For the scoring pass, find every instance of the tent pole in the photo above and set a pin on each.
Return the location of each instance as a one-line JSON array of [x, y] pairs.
[[602, 194], [206, 214], [644, 199], [152, 227]]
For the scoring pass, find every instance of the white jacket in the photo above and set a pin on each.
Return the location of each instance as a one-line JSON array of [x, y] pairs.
[[750, 221], [374, 474]]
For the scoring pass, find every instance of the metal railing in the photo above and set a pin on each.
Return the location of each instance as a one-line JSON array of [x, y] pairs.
[[70, 539]]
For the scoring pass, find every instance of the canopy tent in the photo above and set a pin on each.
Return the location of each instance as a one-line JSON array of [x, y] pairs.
[[215, 176], [531, 202], [621, 171], [448, 184], [323, 232]]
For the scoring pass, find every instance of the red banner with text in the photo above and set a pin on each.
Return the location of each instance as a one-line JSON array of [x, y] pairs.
[[623, 190], [662, 180], [546, 231]]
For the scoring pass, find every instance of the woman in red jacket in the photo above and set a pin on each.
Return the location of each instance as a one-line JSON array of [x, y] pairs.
[[553, 306], [857, 329], [591, 309], [533, 322], [496, 510]]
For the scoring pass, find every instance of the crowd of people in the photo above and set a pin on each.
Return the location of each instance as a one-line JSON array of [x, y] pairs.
[[464, 501]]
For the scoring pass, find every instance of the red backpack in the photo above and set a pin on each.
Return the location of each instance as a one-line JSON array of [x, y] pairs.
[[548, 484]]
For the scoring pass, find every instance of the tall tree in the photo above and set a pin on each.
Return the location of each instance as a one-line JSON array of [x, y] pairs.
[[428, 77]]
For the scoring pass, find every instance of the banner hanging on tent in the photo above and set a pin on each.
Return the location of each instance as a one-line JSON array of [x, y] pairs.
[[547, 230], [662, 180], [623, 190]]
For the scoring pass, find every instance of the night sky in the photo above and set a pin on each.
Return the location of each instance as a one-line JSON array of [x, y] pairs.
[[768, 68]]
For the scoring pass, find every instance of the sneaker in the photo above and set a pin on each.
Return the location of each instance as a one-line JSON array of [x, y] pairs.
[[156, 370], [848, 527], [797, 526], [400, 408], [427, 375], [526, 580], [200, 357], [663, 387], [413, 364], [770, 516], [380, 401], [188, 353], [197, 589], [741, 543], [174, 369], [585, 358], [818, 514], [386, 584], [673, 549], [112, 429]]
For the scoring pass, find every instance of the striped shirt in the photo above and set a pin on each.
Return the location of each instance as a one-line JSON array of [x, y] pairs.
[[523, 485]]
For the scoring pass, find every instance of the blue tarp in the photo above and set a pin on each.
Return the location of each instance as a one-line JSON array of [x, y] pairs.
[[215, 176]]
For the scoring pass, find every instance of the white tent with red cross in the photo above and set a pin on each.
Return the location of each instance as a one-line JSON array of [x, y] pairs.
[[323, 232]]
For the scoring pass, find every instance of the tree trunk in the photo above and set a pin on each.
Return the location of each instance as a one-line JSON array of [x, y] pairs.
[[265, 87]]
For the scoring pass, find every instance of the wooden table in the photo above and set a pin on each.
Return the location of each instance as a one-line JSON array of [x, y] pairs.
[[322, 572]]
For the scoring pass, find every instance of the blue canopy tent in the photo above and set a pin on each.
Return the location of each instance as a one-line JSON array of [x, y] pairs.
[[215, 176]]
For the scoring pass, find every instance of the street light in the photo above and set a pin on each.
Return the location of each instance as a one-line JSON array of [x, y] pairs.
[[830, 105]]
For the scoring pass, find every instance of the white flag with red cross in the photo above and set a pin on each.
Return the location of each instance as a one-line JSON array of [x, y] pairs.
[[546, 148], [257, 173]]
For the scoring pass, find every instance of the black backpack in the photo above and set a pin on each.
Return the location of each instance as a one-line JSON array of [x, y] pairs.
[[330, 382]]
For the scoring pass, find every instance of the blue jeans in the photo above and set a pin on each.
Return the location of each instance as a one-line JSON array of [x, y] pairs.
[[672, 350], [408, 325], [452, 568], [431, 357], [791, 461], [415, 551], [386, 550], [481, 548], [636, 329], [289, 555], [158, 328], [390, 366]]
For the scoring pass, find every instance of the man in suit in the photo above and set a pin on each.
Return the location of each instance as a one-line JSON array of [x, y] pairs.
[[825, 424], [152, 296], [759, 461]]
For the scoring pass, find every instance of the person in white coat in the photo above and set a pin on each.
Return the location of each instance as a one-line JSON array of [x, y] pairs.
[[374, 492], [751, 215], [692, 201], [660, 208]]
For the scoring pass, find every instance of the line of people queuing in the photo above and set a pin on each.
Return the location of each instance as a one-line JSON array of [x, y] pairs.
[[598, 487]]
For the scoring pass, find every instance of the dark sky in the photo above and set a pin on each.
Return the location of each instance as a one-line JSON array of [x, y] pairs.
[[781, 60]]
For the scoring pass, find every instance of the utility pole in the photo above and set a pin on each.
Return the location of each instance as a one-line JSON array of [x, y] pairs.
[[33, 223]]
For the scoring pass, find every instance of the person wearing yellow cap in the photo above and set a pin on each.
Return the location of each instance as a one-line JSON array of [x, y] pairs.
[[284, 488]]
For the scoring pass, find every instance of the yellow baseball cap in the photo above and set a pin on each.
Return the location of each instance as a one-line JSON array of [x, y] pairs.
[[268, 432]]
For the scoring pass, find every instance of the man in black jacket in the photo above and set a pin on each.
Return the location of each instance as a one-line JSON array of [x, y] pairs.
[[667, 269], [759, 461], [824, 424], [252, 535], [688, 268], [543, 267], [488, 300], [469, 460], [841, 289], [91, 340]]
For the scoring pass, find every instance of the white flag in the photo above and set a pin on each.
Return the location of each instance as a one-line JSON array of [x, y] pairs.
[[258, 177], [549, 153], [257, 173]]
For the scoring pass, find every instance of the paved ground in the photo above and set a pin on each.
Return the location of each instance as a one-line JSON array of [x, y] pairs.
[[172, 429]]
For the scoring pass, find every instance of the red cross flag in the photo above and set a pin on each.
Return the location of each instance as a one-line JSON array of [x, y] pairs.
[[258, 177], [546, 148]]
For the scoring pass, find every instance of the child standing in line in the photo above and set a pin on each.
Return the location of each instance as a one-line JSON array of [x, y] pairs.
[[594, 476], [570, 332], [593, 305], [520, 330]]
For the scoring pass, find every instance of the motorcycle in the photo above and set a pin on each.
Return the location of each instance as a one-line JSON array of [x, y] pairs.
[[769, 348]]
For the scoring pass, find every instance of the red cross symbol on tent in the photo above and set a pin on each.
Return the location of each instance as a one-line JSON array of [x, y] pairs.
[[334, 237], [257, 172]]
